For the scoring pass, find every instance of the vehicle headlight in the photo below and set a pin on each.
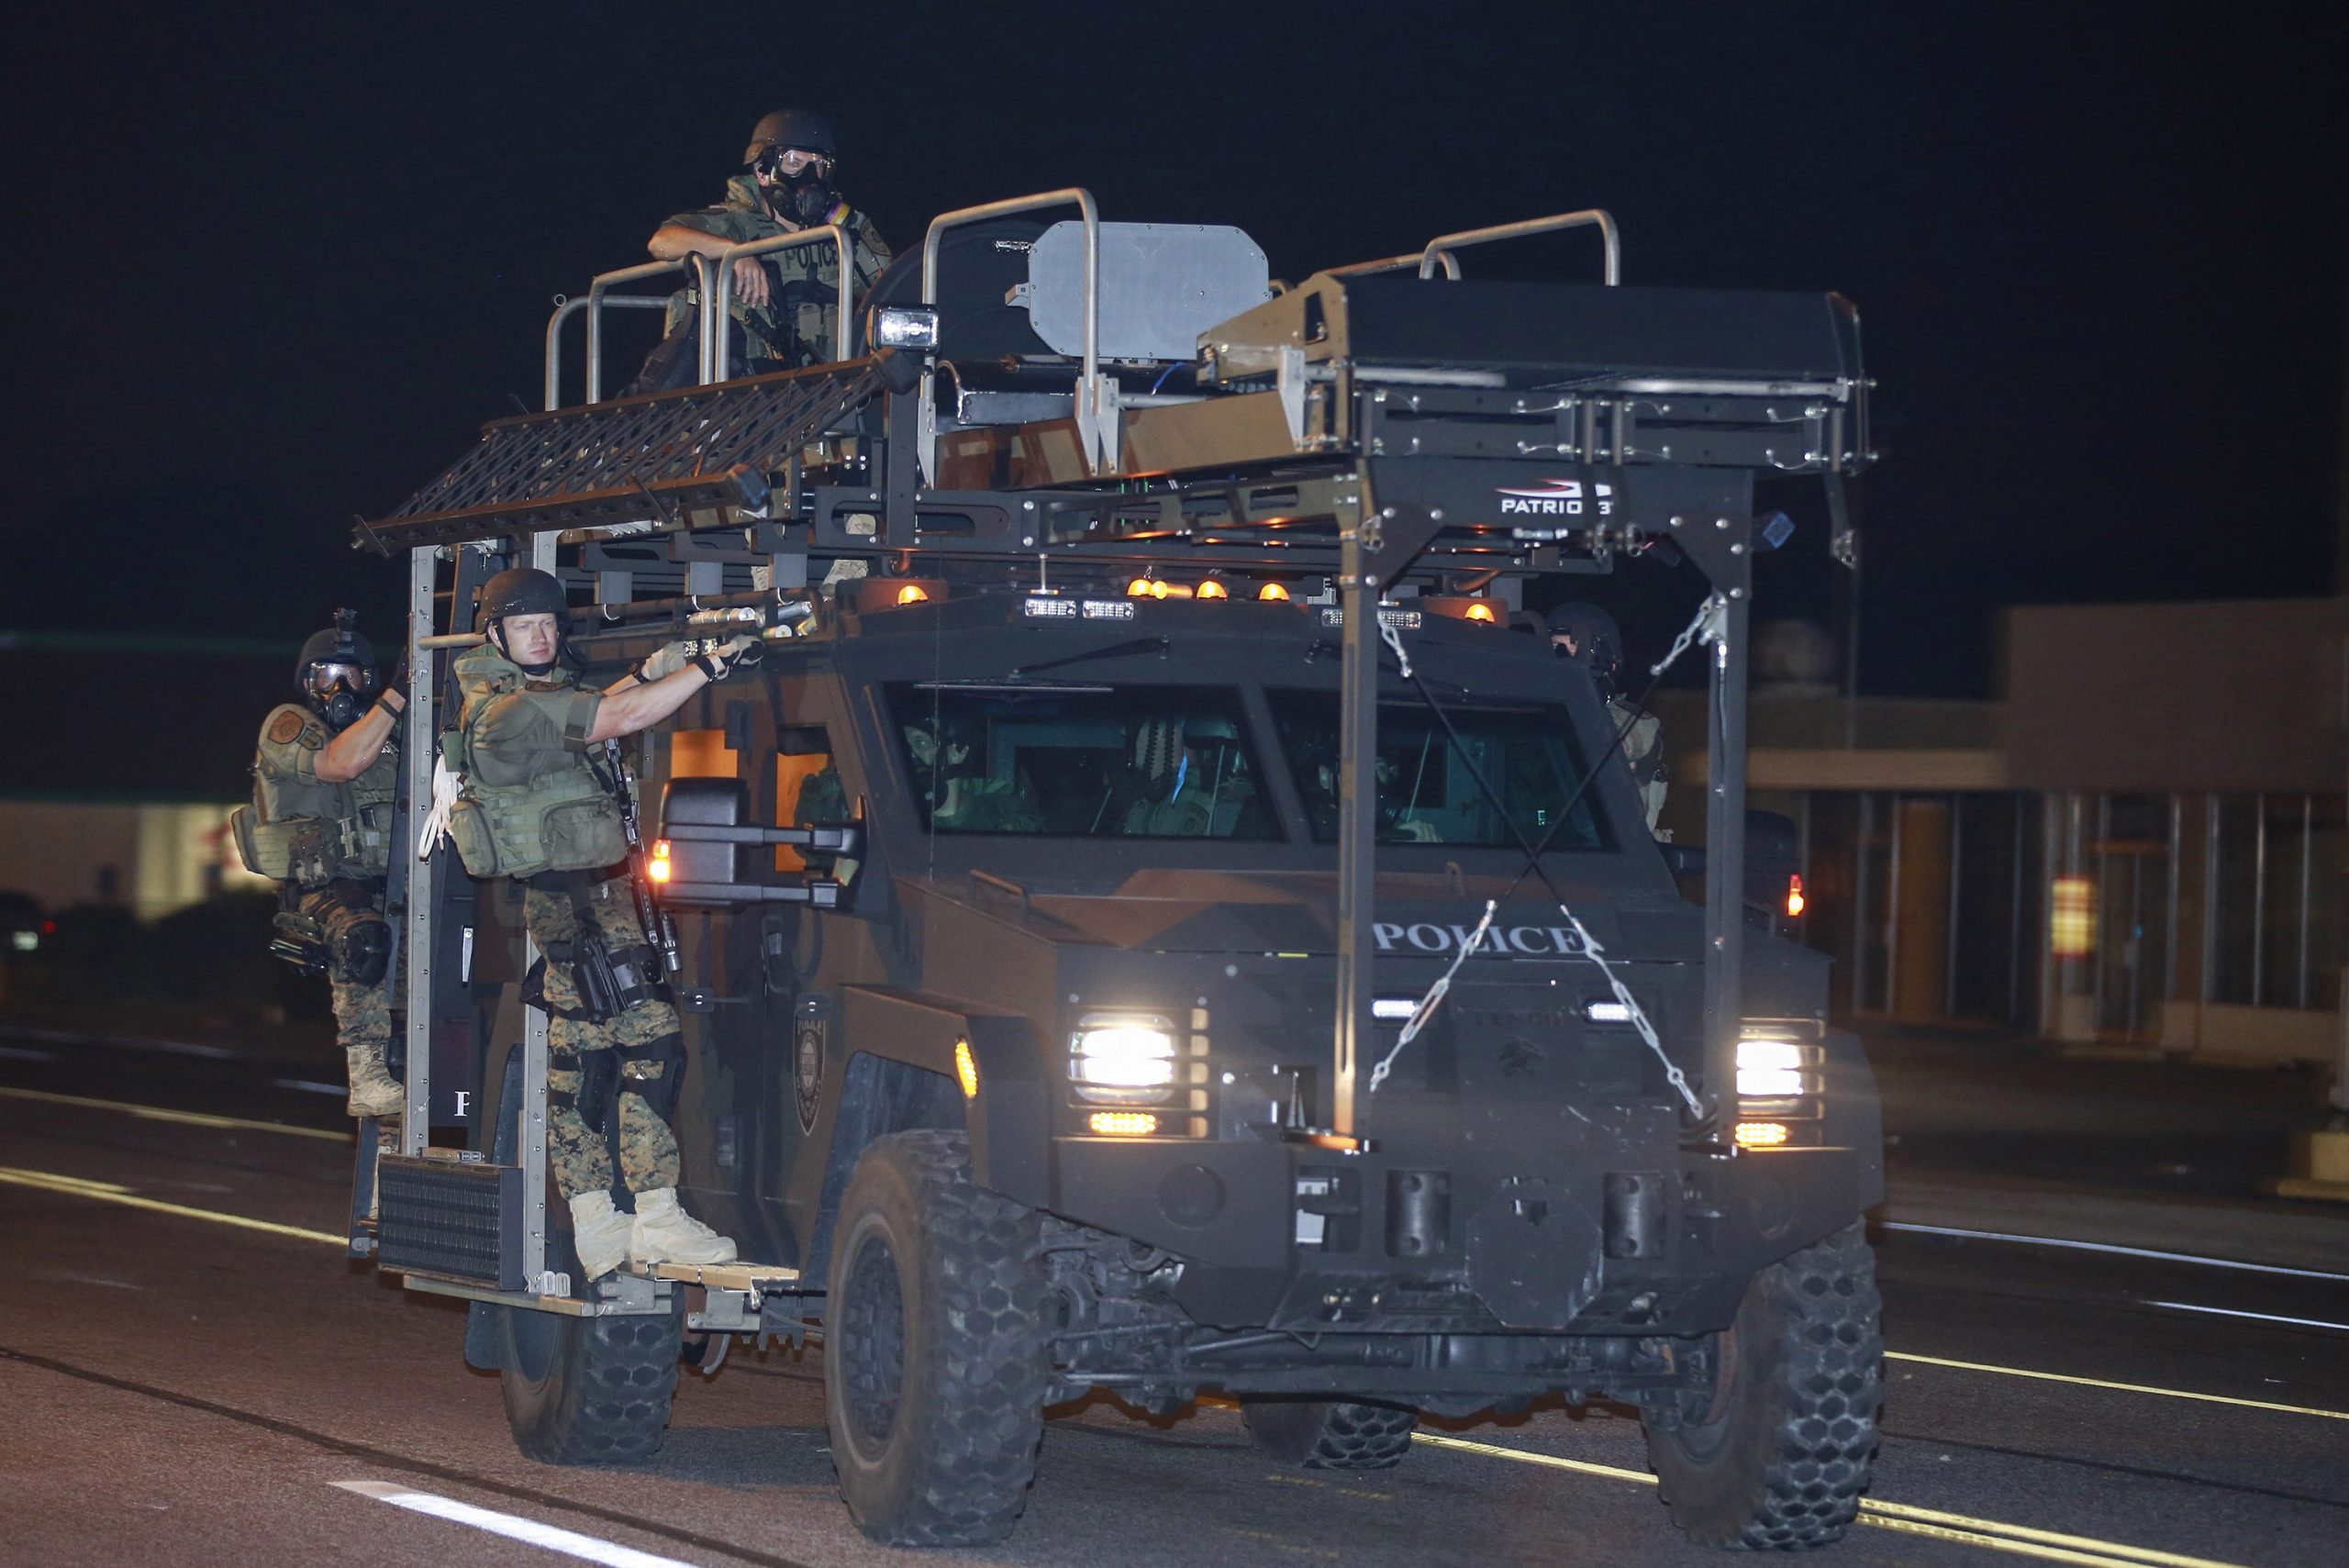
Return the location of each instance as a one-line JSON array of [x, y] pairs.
[[1123, 1059], [1781, 1086], [1770, 1069]]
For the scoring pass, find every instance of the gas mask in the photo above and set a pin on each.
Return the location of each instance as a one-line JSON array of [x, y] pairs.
[[340, 692], [798, 185]]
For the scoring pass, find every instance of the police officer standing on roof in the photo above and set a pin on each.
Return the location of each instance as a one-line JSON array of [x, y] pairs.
[[787, 303], [539, 804], [1589, 635], [323, 777]]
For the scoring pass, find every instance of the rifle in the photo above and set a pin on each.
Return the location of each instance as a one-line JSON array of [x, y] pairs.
[[658, 931]]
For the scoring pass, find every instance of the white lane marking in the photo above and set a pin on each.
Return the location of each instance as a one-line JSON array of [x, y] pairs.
[[164, 1113], [2256, 1317], [168, 1047], [513, 1526], [17, 1053], [2123, 1388], [309, 1086], [109, 1192], [2107, 1247]]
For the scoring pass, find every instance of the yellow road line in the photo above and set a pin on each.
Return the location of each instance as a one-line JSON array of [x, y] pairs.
[[108, 1192], [2123, 1388], [1581, 1466], [186, 1118], [1992, 1534], [1894, 1516]]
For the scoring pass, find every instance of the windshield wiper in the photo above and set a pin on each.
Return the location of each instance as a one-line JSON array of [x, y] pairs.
[[1117, 650]]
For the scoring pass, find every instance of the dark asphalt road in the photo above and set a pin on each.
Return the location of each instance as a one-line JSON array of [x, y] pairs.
[[183, 1390]]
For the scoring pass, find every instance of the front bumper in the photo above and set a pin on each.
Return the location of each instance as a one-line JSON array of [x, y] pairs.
[[1620, 1233]]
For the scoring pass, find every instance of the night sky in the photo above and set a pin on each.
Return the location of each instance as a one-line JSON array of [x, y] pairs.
[[275, 270]]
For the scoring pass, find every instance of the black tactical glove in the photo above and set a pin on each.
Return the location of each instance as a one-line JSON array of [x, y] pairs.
[[719, 660]]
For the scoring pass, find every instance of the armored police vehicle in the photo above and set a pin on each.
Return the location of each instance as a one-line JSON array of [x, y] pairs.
[[1151, 919]]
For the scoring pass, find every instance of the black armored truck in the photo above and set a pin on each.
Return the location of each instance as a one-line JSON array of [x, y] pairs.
[[1151, 918]]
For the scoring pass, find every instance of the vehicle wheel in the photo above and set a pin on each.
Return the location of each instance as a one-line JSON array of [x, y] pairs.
[[934, 1347], [1330, 1434], [589, 1390], [1781, 1454]]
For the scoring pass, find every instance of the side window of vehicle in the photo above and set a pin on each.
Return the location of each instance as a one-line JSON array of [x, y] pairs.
[[807, 791]]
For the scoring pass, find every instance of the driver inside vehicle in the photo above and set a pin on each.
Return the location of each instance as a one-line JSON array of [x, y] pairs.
[[1191, 775], [962, 796]]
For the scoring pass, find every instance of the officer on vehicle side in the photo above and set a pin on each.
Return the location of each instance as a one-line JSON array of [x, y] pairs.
[[1589, 635], [324, 776], [786, 303], [536, 806]]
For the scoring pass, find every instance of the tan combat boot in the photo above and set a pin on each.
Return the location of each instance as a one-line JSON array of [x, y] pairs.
[[373, 1091], [599, 1233], [665, 1233]]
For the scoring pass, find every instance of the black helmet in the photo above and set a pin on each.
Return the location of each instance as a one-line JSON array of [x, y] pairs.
[[524, 591], [1598, 642], [519, 591], [803, 128], [336, 671]]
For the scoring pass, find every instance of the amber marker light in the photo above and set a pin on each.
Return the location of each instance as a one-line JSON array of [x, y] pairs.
[[658, 867], [1480, 611], [1122, 1124], [913, 593], [1273, 592], [1211, 589], [1139, 588], [1761, 1134], [966, 1068], [1796, 902]]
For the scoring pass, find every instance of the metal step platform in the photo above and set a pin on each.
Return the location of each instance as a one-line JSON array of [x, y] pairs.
[[717, 1276], [666, 455]]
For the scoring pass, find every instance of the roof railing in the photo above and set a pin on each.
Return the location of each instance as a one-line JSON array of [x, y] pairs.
[[1438, 252], [594, 302], [717, 300], [1097, 415]]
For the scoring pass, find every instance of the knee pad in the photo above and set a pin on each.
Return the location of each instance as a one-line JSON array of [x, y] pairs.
[[361, 943], [666, 1056]]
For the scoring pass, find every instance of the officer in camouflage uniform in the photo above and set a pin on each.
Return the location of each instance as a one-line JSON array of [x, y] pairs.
[[1589, 635], [323, 777], [787, 303], [538, 804]]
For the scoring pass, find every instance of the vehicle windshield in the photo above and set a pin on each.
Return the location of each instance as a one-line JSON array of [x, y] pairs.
[[1427, 793], [1081, 761]]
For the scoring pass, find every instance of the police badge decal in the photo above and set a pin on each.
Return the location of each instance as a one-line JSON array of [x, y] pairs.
[[808, 1069]]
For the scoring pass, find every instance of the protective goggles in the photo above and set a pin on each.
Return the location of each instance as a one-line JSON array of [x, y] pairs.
[[324, 678], [792, 162]]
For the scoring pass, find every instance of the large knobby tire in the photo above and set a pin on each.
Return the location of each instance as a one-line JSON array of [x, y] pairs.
[[1330, 1434], [1781, 1456], [934, 1347], [589, 1390]]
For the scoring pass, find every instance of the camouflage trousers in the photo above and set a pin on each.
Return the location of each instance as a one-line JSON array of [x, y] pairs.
[[645, 1037], [363, 1013], [362, 1018]]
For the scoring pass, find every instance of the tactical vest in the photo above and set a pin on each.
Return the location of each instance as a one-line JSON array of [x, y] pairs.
[[530, 803], [300, 828]]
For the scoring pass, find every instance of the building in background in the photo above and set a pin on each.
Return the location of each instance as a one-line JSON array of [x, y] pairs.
[[125, 755], [2141, 845]]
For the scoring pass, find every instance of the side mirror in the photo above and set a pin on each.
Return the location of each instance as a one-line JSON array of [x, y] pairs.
[[704, 829], [1773, 859]]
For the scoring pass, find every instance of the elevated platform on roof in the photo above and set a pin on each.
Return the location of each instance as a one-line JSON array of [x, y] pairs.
[[667, 455]]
